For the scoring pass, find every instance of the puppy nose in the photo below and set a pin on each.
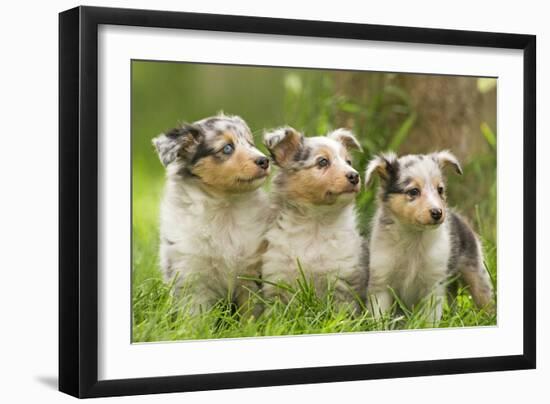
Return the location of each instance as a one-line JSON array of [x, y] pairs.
[[263, 162], [436, 214], [353, 177]]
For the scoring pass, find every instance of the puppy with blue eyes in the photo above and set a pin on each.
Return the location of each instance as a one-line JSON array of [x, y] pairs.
[[213, 214], [417, 243], [313, 193]]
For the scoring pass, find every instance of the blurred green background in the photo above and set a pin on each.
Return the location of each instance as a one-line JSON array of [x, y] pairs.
[[407, 113]]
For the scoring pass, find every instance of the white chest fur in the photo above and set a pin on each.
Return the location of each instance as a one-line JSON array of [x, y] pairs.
[[325, 245], [410, 261], [213, 237]]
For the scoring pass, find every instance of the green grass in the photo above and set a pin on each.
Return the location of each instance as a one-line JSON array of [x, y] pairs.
[[159, 316]]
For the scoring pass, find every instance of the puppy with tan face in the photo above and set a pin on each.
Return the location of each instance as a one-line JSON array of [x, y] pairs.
[[213, 214], [417, 242], [314, 192]]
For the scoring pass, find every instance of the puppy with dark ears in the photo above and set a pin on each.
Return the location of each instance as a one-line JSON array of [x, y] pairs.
[[213, 214], [313, 193], [417, 242]]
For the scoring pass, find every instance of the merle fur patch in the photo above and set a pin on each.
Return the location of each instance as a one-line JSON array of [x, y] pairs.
[[464, 244]]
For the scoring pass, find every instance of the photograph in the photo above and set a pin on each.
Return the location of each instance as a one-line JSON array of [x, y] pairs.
[[281, 201]]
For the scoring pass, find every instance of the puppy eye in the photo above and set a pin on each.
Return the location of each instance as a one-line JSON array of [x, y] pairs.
[[349, 162], [440, 190], [228, 149], [322, 162], [413, 192]]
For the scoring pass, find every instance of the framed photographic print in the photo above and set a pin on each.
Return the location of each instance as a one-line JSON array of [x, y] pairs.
[[251, 201]]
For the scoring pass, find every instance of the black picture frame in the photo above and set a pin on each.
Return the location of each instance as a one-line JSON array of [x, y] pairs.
[[78, 201]]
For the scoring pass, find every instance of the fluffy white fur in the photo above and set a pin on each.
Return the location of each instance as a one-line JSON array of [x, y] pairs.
[[211, 241], [412, 262], [326, 243]]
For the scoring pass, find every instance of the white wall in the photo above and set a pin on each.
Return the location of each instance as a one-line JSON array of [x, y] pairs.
[[28, 198]]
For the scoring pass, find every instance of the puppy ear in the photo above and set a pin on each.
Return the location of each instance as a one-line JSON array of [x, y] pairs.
[[283, 143], [178, 142], [385, 165], [445, 158], [345, 137]]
